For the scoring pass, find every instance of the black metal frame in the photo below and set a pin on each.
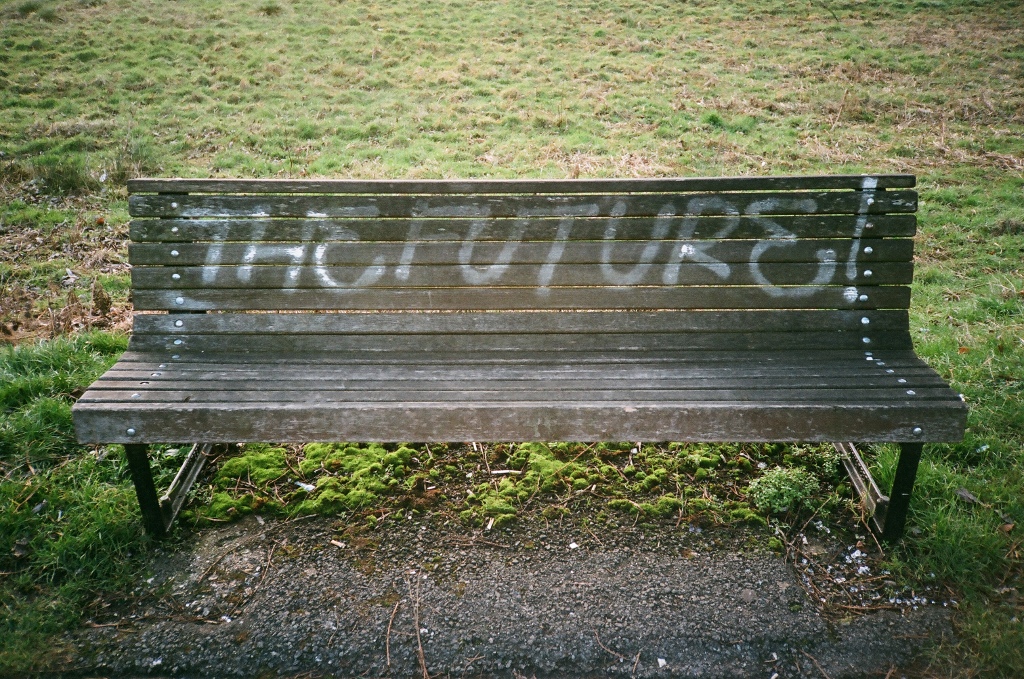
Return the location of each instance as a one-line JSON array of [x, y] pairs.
[[158, 513], [888, 513]]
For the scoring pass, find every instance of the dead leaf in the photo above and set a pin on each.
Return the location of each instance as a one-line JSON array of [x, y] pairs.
[[967, 496], [1006, 527], [962, 350]]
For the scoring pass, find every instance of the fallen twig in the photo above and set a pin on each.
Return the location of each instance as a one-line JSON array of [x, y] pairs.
[[419, 642], [617, 655], [387, 639], [815, 661]]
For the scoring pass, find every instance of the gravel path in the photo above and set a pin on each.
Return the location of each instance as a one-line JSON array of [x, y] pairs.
[[282, 599]]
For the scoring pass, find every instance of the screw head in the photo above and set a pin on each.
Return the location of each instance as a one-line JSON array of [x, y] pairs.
[[868, 250], [863, 298], [868, 273], [865, 320], [176, 276], [179, 300], [911, 392], [178, 324], [174, 229], [177, 341], [866, 340], [130, 431], [901, 381], [174, 253], [918, 431]]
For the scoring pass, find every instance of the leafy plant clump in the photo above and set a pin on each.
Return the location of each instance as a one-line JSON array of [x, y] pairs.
[[783, 489]]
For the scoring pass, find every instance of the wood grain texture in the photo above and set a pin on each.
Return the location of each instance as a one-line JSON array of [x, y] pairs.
[[582, 298], [402, 229], [449, 323], [486, 186], [484, 255], [558, 420], [531, 206], [515, 343]]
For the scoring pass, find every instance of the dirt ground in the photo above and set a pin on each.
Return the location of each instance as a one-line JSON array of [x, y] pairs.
[[263, 598]]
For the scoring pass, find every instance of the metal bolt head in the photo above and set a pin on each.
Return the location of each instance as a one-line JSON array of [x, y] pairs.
[[178, 324], [863, 298], [918, 431], [865, 320], [130, 431], [866, 340], [868, 273], [135, 396], [911, 392], [177, 341], [174, 229], [174, 205], [179, 300], [868, 250], [176, 276], [174, 253]]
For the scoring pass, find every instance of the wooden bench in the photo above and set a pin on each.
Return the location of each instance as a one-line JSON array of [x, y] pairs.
[[743, 309]]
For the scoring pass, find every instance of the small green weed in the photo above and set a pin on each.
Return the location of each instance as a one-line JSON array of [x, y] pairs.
[[783, 489]]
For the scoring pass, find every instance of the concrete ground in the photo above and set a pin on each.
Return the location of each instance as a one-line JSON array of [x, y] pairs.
[[265, 598]]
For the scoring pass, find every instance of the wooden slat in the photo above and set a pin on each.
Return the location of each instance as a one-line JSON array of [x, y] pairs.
[[541, 228], [482, 255], [521, 322], [653, 365], [558, 420], [444, 205], [516, 275], [267, 394], [545, 360], [635, 297], [474, 186], [270, 377], [639, 342]]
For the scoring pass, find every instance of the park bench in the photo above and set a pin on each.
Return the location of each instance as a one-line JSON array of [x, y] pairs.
[[730, 309]]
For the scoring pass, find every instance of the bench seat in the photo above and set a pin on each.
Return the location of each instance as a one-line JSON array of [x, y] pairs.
[[501, 387]]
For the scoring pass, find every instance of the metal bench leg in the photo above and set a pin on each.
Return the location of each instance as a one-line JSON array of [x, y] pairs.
[[142, 477], [902, 487]]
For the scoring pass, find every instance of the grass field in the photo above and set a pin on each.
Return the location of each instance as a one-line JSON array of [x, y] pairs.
[[93, 92]]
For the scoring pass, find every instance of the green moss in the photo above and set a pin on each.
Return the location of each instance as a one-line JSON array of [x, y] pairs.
[[259, 463]]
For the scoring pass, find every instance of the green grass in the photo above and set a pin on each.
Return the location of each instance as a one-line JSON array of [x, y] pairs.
[[94, 93]]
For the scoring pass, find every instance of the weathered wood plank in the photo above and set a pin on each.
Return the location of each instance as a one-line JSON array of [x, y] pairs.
[[544, 360], [522, 322], [265, 393], [634, 297], [516, 275], [536, 229], [736, 341], [508, 421], [598, 205], [124, 385], [479, 186], [489, 258]]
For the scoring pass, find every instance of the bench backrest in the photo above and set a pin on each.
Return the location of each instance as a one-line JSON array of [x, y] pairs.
[[783, 263]]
